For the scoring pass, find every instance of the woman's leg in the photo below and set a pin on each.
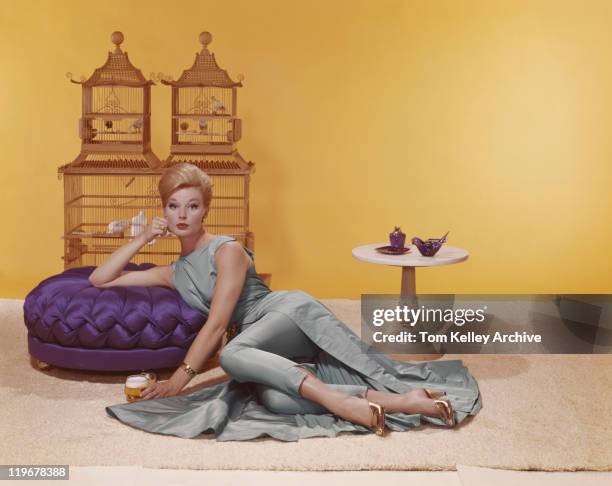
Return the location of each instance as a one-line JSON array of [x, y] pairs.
[[278, 402], [356, 409], [260, 354], [415, 401]]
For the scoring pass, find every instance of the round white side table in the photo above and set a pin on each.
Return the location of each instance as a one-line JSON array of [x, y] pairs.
[[409, 261]]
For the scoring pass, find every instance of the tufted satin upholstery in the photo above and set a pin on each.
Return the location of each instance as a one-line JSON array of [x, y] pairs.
[[120, 327]]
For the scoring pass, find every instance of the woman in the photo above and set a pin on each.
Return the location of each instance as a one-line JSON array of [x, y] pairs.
[[296, 370]]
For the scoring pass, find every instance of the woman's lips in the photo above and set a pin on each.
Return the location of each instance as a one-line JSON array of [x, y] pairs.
[[182, 226]]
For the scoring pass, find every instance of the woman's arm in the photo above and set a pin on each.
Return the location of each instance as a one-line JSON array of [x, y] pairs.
[[232, 263], [158, 276], [111, 268]]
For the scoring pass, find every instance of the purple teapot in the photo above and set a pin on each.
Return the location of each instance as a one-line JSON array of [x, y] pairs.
[[431, 246]]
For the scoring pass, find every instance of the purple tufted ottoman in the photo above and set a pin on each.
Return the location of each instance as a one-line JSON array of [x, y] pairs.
[[73, 324]]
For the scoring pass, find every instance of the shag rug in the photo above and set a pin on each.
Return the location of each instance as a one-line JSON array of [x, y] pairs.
[[540, 412]]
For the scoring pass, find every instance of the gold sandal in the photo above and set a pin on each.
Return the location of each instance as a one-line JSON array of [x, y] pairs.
[[378, 418], [448, 414], [433, 394]]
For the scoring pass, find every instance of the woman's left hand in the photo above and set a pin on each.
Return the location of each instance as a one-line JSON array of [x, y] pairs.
[[160, 389]]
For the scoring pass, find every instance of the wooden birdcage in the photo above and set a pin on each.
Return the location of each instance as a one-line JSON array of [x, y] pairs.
[[205, 129], [111, 186]]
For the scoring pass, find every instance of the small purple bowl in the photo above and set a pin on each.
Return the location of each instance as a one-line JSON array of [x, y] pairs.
[[430, 247]]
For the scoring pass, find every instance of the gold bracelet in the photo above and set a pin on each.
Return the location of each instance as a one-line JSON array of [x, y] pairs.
[[189, 370]]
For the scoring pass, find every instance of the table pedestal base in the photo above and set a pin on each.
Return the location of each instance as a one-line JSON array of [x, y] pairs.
[[409, 298], [408, 281], [407, 261]]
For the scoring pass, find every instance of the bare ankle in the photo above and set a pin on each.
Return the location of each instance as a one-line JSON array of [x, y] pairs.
[[353, 409], [307, 375]]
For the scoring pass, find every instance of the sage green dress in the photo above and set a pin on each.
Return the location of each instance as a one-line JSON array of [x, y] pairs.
[[261, 401]]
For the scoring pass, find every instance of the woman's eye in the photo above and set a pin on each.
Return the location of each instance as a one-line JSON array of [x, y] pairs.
[[193, 206]]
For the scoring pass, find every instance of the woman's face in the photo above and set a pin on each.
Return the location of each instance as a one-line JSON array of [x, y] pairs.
[[184, 211]]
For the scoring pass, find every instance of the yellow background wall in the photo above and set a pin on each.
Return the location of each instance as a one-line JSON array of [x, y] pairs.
[[488, 119]]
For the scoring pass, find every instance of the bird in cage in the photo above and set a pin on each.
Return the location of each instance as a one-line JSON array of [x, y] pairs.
[[139, 223], [108, 124], [203, 124], [137, 125], [184, 126], [117, 226], [217, 105]]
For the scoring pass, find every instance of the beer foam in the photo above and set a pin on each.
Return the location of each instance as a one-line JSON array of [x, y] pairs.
[[136, 381]]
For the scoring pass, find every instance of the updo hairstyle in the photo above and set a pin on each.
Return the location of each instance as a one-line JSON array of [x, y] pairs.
[[185, 175]]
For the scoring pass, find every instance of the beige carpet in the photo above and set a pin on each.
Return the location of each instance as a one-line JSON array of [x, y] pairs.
[[544, 412], [464, 476]]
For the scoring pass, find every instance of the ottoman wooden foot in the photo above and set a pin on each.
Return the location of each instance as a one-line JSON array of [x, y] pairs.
[[41, 365]]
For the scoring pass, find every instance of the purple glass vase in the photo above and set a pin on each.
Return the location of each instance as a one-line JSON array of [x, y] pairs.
[[397, 238]]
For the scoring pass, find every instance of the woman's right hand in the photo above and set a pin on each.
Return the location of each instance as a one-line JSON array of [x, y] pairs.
[[158, 227]]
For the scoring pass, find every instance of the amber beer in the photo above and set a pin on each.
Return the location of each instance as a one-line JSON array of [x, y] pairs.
[[135, 384]]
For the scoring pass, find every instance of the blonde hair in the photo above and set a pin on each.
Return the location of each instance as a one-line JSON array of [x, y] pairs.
[[185, 175]]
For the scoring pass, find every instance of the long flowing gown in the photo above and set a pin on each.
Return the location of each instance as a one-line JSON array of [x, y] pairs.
[[232, 411]]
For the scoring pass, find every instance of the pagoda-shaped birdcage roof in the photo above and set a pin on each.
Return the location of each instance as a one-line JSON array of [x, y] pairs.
[[107, 163], [205, 70], [117, 70], [231, 163]]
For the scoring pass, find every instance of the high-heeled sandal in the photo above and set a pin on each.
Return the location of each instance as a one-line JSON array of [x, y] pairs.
[[433, 394], [448, 414], [378, 418]]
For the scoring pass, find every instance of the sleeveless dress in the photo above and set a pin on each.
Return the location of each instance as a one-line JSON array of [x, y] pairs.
[[232, 411]]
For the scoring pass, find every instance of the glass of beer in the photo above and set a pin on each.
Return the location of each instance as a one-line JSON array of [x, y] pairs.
[[135, 384]]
